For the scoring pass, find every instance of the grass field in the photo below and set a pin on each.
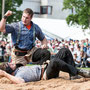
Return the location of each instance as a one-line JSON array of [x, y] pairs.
[[79, 68], [85, 68], [34, 64]]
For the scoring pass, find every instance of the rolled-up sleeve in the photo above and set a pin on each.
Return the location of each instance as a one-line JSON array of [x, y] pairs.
[[9, 28], [39, 34]]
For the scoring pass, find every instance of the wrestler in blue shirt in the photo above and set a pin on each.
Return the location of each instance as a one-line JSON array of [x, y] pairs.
[[23, 35]]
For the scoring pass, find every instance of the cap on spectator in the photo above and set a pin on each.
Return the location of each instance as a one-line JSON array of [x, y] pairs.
[[71, 46], [75, 53], [56, 44], [66, 44], [88, 59], [61, 45]]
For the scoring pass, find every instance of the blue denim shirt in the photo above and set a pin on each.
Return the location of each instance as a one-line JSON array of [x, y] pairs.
[[26, 36]]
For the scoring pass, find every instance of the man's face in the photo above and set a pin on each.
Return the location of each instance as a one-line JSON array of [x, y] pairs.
[[12, 66], [26, 18]]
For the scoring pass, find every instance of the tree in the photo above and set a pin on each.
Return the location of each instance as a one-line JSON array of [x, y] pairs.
[[82, 12], [12, 5]]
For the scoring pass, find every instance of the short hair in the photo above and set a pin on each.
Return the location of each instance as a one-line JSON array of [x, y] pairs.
[[29, 11], [3, 66]]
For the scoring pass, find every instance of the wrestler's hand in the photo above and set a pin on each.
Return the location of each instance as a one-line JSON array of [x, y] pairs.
[[8, 13], [43, 46], [2, 73]]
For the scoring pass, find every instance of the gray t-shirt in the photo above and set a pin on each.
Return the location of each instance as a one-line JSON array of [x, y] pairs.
[[29, 73]]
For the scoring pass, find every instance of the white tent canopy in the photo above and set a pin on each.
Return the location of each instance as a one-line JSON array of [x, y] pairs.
[[60, 28]]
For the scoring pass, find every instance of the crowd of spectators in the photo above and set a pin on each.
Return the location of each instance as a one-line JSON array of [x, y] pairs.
[[5, 51], [80, 50]]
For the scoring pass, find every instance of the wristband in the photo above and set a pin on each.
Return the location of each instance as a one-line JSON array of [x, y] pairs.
[[5, 17]]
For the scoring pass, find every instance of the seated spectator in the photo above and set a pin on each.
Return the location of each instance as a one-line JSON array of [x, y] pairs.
[[77, 60], [88, 62]]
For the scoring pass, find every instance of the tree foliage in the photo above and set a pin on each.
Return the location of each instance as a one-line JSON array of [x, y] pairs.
[[12, 5], [82, 12]]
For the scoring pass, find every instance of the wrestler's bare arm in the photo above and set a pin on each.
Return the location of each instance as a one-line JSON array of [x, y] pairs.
[[11, 77], [3, 21]]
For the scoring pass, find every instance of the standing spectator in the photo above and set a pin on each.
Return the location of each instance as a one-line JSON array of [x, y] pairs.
[[2, 50], [83, 58], [23, 35], [78, 50], [88, 62], [83, 47], [50, 48], [87, 41], [8, 52], [88, 51], [71, 47], [1, 58]]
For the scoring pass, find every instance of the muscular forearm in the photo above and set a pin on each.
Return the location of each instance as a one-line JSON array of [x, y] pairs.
[[13, 78], [3, 21], [2, 25]]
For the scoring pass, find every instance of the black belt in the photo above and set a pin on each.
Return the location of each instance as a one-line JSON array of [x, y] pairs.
[[20, 49], [18, 53]]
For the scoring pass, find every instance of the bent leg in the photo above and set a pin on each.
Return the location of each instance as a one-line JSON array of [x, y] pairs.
[[65, 55], [41, 55], [57, 65]]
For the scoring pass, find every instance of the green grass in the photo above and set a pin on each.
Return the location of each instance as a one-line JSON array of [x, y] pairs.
[[85, 68], [34, 64], [78, 68], [30, 64]]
